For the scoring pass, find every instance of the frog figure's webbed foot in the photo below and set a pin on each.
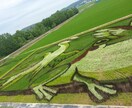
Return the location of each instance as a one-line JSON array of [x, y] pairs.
[[44, 92], [97, 91]]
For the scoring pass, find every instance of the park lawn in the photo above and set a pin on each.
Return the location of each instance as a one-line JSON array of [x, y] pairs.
[[96, 15]]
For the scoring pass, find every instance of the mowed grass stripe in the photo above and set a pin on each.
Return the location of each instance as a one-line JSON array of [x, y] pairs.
[[4, 73], [103, 12]]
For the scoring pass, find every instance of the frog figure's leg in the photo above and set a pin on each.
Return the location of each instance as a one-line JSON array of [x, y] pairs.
[[93, 86], [44, 91], [40, 86], [41, 91], [130, 23]]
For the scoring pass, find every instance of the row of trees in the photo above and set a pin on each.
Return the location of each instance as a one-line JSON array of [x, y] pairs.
[[9, 43]]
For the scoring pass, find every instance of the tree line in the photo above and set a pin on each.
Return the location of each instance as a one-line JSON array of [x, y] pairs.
[[9, 43]]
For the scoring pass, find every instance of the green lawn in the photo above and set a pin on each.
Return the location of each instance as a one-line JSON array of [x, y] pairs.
[[102, 12]]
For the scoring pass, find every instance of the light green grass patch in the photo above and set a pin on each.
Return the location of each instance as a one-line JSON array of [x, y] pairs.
[[109, 58]]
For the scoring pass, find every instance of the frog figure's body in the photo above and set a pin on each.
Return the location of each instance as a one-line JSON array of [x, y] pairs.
[[40, 74]]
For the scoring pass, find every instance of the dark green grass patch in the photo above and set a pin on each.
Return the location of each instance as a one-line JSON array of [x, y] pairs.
[[121, 23], [36, 57], [10, 63]]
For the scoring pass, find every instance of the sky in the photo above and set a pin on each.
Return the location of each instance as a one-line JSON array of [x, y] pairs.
[[18, 14]]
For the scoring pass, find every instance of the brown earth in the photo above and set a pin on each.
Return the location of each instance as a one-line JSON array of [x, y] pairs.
[[124, 27], [84, 54]]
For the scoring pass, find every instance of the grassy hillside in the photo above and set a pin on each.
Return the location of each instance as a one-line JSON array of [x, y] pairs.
[[103, 12], [33, 68], [119, 50]]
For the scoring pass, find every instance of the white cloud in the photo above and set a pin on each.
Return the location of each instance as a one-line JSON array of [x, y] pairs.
[[6, 4], [17, 14]]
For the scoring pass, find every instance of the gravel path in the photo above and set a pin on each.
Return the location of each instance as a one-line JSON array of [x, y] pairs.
[[17, 105]]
